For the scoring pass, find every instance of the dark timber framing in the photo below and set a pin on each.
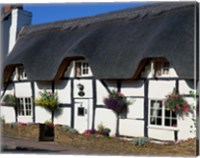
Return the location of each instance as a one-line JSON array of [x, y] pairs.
[[53, 91], [72, 103], [146, 107], [33, 98], [16, 113], [105, 85], [94, 89], [119, 84]]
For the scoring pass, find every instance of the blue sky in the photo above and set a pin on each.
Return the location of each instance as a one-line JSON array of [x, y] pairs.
[[43, 13]]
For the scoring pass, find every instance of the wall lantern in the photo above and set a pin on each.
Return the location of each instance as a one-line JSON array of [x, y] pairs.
[[81, 88]]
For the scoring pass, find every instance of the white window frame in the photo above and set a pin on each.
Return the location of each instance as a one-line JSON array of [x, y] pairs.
[[82, 69], [21, 102], [162, 126], [164, 69]]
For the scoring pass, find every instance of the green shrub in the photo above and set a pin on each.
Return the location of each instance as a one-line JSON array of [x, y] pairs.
[[140, 141], [67, 128], [9, 100]]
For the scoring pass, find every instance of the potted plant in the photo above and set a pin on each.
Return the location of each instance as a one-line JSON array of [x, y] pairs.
[[176, 103]]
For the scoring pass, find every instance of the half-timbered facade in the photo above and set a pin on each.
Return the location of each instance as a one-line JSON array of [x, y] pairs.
[[143, 52]]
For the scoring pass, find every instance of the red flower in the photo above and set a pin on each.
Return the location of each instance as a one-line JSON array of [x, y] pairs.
[[185, 108], [23, 124], [178, 107]]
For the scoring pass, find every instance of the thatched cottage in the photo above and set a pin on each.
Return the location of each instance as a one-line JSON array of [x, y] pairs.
[[142, 52]]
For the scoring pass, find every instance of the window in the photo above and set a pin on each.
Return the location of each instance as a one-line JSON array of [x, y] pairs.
[[24, 107], [81, 111], [160, 116], [20, 73], [82, 69], [161, 68]]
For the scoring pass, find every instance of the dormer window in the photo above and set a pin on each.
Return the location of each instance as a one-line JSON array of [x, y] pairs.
[[82, 69], [161, 68], [156, 67], [21, 74]]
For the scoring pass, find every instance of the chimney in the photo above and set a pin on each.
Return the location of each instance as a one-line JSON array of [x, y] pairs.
[[19, 18], [7, 8]]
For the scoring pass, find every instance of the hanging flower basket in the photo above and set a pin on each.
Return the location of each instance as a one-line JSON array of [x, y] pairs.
[[9, 100], [48, 100], [176, 103], [117, 102]]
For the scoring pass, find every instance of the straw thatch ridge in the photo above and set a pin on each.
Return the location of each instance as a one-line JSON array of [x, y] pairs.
[[114, 44]]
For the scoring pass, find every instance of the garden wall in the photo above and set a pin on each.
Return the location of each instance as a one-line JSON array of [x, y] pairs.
[[29, 131], [36, 131], [70, 136]]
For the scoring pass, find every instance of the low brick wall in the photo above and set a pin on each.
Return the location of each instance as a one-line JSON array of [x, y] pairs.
[[29, 131]]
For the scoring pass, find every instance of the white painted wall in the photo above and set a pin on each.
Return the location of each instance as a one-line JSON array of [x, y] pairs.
[[64, 118], [161, 133], [159, 89], [107, 118], [8, 113], [136, 109], [186, 87], [23, 89], [133, 88], [101, 93], [130, 127], [87, 88], [42, 115], [41, 86], [63, 88]]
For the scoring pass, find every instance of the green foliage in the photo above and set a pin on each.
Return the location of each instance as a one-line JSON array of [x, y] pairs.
[[72, 130], [48, 100], [2, 119], [10, 100], [194, 108], [140, 141], [100, 127], [67, 128], [175, 102]]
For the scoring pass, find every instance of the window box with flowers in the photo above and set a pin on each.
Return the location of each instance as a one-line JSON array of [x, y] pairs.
[[176, 103], [117, 102]]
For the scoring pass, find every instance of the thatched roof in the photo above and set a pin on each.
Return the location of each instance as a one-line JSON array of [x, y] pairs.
[[114, 44]]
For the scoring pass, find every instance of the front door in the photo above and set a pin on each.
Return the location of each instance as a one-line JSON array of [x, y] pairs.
[[82, 114]]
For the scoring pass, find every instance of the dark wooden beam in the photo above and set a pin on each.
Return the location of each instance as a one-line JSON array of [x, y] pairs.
[[33, 98], [94, 90], [146, 107], [106, 87], [72, 103]]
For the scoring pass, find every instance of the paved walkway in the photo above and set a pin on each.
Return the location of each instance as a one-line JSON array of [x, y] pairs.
[[15, 145]]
